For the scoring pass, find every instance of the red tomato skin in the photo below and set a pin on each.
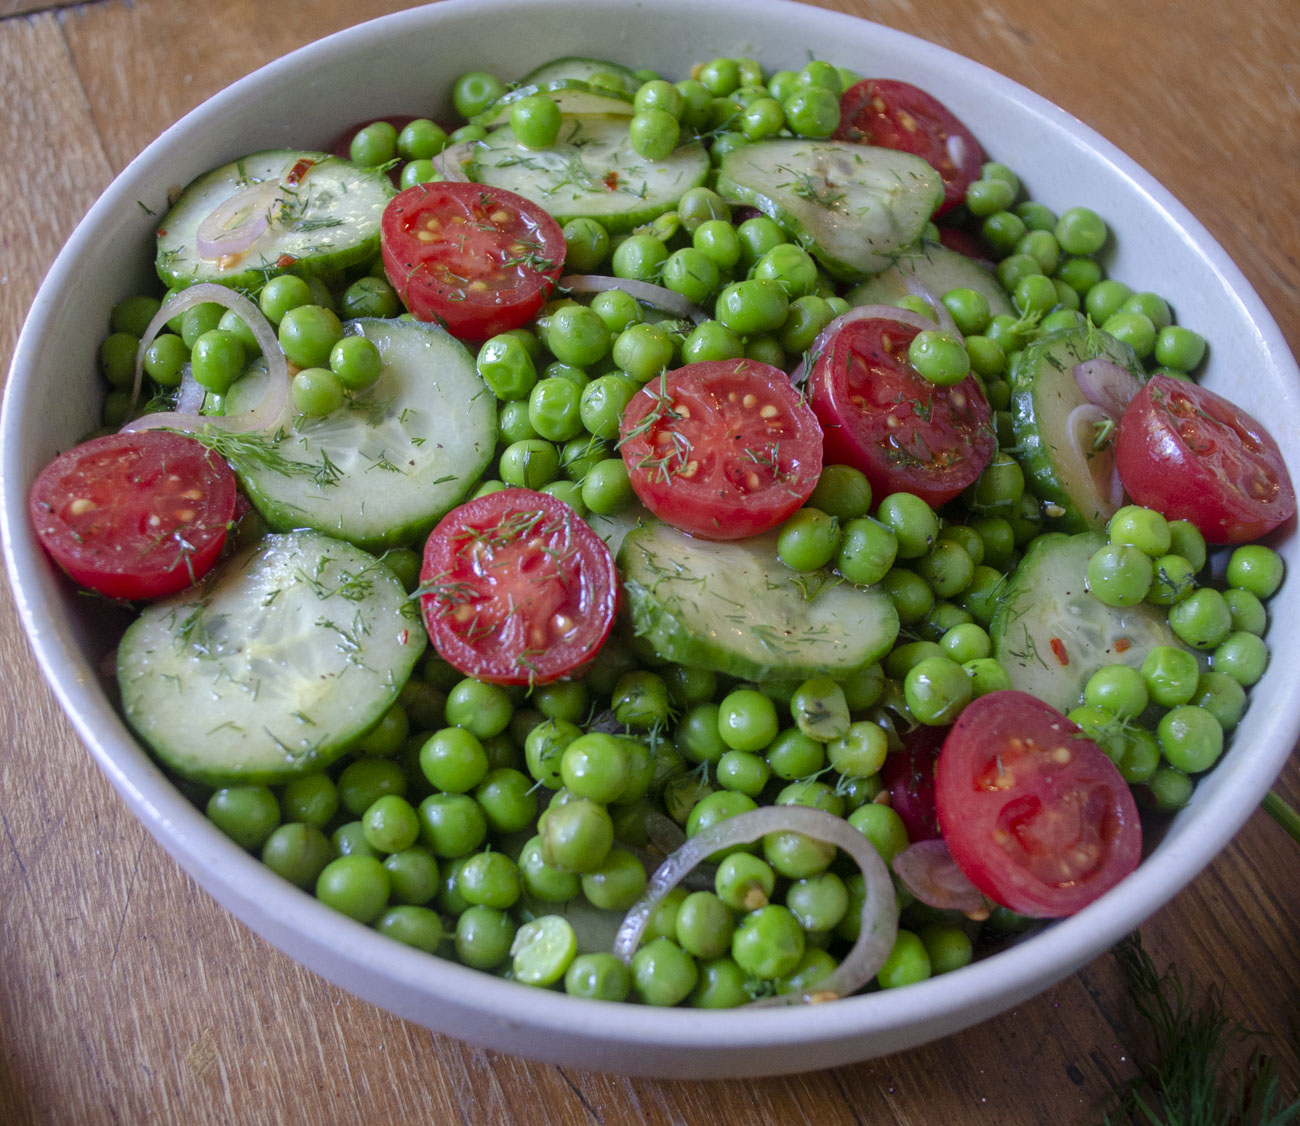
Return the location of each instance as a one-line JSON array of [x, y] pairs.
[[500, 571], [721, 471], [493, 270], [908, 775], [1020, 792], [1193, 455], [906, 420], [898, 115], [134, 516]]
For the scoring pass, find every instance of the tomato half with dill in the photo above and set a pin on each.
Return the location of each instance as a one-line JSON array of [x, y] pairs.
[[134, 515], [1191, 454], [478, 260], [516, 588], [898, 115], [904, 432], [1034, 813], [722, 449]]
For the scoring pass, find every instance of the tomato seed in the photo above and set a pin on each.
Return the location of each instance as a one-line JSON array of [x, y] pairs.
[[81, 506]]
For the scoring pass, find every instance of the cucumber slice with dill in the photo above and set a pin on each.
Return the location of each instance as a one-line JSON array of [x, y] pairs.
[[274, 666], [592, 171], [584, 69], [1073, 477], [571, 94], [1051, 634], [268, 213], [853, 207], [735, 608], [381, 469], [936, 268]]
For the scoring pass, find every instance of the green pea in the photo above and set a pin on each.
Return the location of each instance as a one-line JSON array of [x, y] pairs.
[[820, 709], [1255, 568], [484, 937], [812, 111], [451, 825], [474, 91], [985, 197], [1173, 579], [298, 852], [883, 827], [507, 367], [654, 133], [768, 943], [641, 257], [947, 947], [1104, 299], [1202, 619], [1119, 575], [912, 521], [308, 334], [1179, 348], [939, 357], [217, 359], [413, 875], [711, 340], [1242, 656], [937, 689], [246, 814], [1185, 539], [663, 973], [577, 836], [1080, 231], [908, 962], [719, 241], [1191, 739], [373, 145], [1133, 329], [1170, 674], [599, 976], [530, 464], [1120, 689], [1221, 696], [356, 885], [1246, 612]]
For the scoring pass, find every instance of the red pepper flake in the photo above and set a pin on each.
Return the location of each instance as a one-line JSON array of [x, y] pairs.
[[1122, 644], [611, 180], [285, 261], [295, 174], [1058, 651], [404, 637]]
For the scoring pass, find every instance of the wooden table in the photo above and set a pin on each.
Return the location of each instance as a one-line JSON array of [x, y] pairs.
[[128, 996]]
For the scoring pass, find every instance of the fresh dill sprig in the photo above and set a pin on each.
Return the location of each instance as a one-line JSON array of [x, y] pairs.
[[1188, 1080]]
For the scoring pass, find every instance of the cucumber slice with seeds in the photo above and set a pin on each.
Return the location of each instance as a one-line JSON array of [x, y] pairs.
[[570, 94], [383, 468], [939, 270], [592, 171], [270, 212], [584, 69], [274, 666], [1076, 486], [735, 608], [853, 207], [1051, 634]]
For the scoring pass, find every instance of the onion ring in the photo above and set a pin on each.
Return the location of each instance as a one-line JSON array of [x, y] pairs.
[[879, 916], [1106, 384], [236, 222], [929, 872], [266, 412], [450, 163], [1081, 425], [646, 292]]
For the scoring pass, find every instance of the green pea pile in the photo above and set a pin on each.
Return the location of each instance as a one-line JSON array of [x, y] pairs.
[[483, 823]]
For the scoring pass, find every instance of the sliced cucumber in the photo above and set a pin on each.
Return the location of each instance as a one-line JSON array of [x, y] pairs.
[[1051, 634], [572, 95], [584, 69], [938, 269], [384, 467], [274, 666], [1077, 487], [853, 207], [591, 171], [317, 213], [737, 609]]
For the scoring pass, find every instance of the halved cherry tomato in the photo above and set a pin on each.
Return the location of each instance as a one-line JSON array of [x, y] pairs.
[[904, 432], [898, 115], [517, 589], [1034, 813], [722, 449], [134, 515], [908, 775], [479, 260], [1195, 456]]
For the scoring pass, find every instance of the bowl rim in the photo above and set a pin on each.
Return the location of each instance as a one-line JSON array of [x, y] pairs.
[[330, 943]]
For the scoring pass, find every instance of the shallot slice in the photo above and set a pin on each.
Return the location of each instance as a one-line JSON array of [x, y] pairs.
[[1106, 384], [649, 294], [929, 872], [450, 163], [879, 917], [1088, 427], [266, 412], [235, 223]]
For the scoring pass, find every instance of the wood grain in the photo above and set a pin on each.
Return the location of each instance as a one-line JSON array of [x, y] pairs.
[[128, 996]]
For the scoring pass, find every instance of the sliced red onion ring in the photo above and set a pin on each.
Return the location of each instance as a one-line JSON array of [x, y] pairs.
[[879, 918], [917, 288], [643, 291], [265, 412], [861, 313], [235, 223], [1083, 424], [930, 873], [190, 394], [1109, 385], [450, 163]]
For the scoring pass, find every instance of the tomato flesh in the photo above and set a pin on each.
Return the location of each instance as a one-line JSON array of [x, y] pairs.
[[134, 516], [898, 115], [476, 259], [722, 449], [904, 432], [1034, 813], [1193, 455], [517, 589]]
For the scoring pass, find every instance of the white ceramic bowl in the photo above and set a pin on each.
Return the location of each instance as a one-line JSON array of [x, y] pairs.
[[405, 63]]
